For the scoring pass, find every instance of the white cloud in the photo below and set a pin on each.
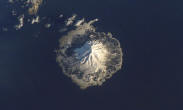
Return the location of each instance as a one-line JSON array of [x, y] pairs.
[[35, 20], [21, 22], [70, 20]]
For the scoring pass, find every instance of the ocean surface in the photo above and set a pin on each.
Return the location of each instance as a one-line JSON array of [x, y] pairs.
[[150, 33]]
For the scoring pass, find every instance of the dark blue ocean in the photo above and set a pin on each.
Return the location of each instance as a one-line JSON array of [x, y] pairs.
[[150, 33]]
